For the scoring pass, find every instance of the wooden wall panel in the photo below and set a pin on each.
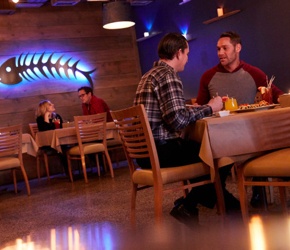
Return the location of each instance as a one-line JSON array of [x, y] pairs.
[[76, 32]]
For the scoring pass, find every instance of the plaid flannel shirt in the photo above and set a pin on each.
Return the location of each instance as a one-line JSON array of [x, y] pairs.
[[161, 92]]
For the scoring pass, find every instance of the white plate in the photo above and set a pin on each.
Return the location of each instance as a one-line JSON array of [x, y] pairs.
[[256, 109]]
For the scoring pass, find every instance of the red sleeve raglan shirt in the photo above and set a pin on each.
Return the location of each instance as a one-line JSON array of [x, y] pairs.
[[241, 84]]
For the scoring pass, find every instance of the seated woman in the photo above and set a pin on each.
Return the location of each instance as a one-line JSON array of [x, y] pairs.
[[47, 119]]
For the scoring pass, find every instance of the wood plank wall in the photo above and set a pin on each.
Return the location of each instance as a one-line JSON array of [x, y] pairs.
[[75, 31]]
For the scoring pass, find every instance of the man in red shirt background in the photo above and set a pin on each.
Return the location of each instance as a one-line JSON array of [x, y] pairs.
[[91, 104]]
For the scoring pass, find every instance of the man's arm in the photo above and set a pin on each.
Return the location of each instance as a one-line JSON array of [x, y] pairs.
[[203, 95]]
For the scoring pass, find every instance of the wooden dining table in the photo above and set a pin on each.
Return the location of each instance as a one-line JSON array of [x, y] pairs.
[[239, 137], [67, 135]]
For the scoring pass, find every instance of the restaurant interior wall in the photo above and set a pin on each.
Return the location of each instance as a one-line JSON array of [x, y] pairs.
[[76, 32], [261, 24]]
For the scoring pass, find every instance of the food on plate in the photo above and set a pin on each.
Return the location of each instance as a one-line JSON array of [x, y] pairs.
[[255, 105]]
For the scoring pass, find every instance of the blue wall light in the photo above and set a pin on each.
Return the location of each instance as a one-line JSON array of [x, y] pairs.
[[33, 67]]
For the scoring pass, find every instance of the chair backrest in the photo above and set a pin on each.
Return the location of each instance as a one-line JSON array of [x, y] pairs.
[[11, 141], [91, 128], [137, 138], [33, 129]]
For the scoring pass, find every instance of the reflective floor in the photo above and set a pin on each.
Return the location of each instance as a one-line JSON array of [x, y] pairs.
[[62, 215]]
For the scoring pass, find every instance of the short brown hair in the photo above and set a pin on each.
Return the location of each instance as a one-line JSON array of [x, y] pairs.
[[86, 89], [234, 37], [170, 44]]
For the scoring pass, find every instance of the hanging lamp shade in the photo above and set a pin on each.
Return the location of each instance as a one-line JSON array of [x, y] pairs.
[[117, 15]]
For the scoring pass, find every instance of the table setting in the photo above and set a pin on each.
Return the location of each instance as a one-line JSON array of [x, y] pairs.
[[67, 135]]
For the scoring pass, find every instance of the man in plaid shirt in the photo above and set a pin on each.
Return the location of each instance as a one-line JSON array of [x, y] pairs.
[[161, 92]]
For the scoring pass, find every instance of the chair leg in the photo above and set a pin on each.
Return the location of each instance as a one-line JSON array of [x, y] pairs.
[[109, 163], [38, 167], [83, 160], [25, 179], [69, 168], [271, 192], [243, 196], [133, 204], [282, 192], [46, 165], [158, 200], [105, 162], [14, 180], [98, 165], [219, 192]]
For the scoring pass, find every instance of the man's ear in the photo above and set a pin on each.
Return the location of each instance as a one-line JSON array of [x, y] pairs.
[[177, 54], [238, 47]]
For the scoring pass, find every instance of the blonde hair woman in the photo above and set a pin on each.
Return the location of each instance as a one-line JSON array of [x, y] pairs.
[[46, 117]]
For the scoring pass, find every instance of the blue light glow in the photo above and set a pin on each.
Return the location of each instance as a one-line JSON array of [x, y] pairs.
[[148, 25], [80, 76], [184, 30], [30, 67]]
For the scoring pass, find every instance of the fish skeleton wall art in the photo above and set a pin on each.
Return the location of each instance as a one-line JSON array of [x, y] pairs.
[[28, 66]]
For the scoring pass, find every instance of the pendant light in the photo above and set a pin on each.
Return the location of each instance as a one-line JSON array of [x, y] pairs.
[[117, 15]]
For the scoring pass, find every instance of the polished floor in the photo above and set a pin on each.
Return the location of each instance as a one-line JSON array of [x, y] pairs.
[[74, 216]]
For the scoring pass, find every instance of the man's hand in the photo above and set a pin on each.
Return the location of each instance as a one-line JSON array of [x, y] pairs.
[[216, 104]]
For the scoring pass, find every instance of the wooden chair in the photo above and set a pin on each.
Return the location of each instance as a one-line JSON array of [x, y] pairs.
[[11, 153], [41, 154], [138, 142], [274, 165], [91, 135]]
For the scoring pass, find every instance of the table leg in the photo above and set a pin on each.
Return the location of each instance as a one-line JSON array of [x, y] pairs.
[[219, 192]]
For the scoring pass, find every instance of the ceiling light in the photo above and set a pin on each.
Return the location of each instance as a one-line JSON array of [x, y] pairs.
[[184, 1], [117, 15]]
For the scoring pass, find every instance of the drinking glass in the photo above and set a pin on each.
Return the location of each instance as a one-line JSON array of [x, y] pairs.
[[231, 104], [267, 95], [57, 123]]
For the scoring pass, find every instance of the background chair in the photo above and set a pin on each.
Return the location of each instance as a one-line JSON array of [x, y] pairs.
[[274, 165], [41, 154], [91, 135], [11, 153], [138, 142], [114, 143]]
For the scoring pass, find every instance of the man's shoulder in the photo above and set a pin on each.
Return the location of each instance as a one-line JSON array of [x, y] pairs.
[[97, 99], [251, 68], [212, 69], [207, 75]]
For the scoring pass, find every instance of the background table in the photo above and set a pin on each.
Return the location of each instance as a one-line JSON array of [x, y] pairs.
[[29, 146], [238, 137], [65, 136]]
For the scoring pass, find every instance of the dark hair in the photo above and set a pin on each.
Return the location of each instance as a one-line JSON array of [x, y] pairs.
[[234, 37], [86, 89], [170, 44]]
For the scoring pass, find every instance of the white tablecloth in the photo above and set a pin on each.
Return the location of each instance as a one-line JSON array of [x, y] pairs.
[[29, 145]]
